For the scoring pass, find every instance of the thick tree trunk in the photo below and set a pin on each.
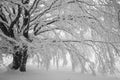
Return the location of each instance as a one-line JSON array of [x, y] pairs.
[[16, 60], [23, 60], [20, 59]]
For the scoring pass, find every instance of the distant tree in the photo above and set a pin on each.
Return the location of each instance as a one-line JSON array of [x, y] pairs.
[[88, 30]]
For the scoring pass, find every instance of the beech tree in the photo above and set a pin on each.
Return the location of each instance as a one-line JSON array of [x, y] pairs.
[[86, 29]]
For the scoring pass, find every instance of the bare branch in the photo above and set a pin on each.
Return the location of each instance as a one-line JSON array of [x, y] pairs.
[[46, 10], [93, 41], [37, 31], [17, 17], [7, 25], [34, 6]]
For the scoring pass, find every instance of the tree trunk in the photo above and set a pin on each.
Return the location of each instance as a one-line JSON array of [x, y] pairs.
[[20, 59], [23, 60], [16, 60]]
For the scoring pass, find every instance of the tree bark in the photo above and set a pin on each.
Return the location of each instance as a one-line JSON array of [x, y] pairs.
[[20, 59], [24, 60], [16, 60]]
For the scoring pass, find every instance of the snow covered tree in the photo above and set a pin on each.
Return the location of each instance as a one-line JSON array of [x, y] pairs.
[[86, 29]]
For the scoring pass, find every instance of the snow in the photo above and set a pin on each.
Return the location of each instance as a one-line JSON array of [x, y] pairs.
[[37, 74]]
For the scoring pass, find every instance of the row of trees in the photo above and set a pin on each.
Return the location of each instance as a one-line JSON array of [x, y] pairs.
[[86, 29]]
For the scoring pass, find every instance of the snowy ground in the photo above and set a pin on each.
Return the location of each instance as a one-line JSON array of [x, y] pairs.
[[35, 74]]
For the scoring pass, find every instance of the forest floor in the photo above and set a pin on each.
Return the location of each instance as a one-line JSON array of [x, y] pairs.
[[35, 74]]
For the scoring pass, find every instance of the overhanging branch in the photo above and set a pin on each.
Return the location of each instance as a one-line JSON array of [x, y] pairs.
[[78, 41]]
